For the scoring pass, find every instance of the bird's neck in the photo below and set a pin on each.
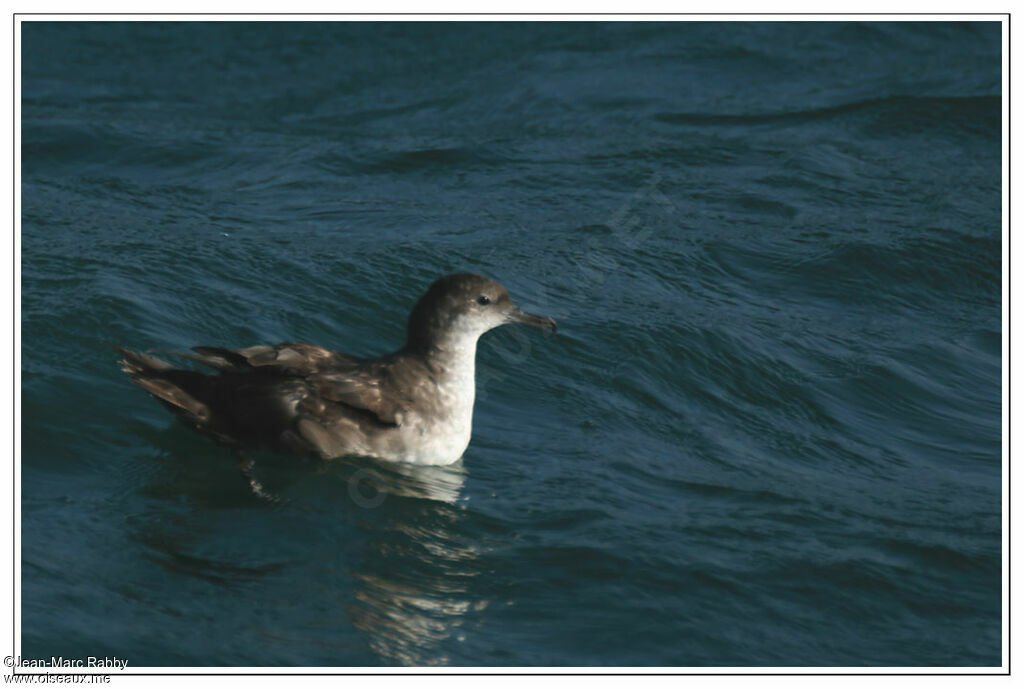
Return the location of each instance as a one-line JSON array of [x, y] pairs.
[[454, 356], [452, 365]]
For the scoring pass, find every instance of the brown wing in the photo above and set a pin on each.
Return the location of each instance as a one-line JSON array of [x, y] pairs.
[[298, 358], [360, 390], [336, 378]]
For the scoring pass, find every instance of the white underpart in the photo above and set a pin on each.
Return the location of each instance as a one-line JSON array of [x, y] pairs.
[[443, 439]]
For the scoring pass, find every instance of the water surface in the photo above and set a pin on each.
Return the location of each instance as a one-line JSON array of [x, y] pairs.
[[767, 433]]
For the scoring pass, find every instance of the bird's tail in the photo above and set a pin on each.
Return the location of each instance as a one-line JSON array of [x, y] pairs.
[[179, 390]]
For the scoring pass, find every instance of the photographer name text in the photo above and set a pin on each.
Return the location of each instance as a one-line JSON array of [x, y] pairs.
[[71, 663]]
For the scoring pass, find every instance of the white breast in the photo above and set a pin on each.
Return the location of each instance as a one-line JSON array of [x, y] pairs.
[[442, 439]]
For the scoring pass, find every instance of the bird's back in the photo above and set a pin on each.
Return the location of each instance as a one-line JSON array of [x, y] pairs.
[[291, 396]]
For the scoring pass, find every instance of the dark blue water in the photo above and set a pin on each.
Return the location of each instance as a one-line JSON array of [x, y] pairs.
[[768, 432]]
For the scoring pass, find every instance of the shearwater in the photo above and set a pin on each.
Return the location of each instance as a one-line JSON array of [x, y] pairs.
[[414, 405]]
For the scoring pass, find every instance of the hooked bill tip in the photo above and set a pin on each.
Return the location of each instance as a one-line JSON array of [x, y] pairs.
[[542, 322]]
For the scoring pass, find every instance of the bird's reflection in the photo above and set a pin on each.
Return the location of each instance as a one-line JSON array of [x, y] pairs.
[[414, 588], [371, 482], [409, 566]]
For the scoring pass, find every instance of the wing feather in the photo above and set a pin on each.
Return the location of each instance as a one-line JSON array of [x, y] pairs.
[[335, 378]]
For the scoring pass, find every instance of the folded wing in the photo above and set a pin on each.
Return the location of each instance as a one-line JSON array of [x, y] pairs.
[[335, 378]]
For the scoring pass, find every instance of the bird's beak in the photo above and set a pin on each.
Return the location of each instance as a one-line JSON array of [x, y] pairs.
[[517, 315]]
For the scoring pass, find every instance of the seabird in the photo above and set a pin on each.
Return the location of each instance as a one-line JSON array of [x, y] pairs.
[[414, 405]]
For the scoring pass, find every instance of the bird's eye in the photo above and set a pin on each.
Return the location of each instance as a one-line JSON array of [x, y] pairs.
[[483, 300]]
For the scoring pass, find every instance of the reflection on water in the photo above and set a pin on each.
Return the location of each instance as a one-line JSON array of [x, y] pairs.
[[415, 586], [409, 569], [372, 482]]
